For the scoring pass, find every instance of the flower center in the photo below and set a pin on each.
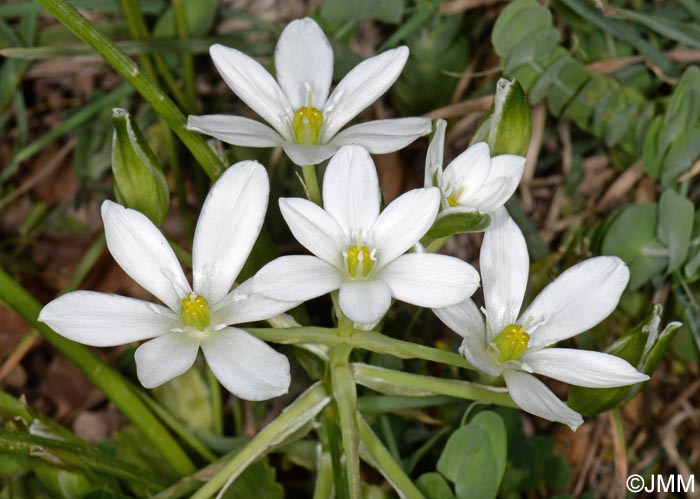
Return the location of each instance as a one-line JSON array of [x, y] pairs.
[[453, 199], [511, 342], [306, 125], [359, 258], [194, 311]]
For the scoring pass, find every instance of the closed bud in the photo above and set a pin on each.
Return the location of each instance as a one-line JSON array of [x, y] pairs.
[[506, 126], [643, 347], [139, 182]]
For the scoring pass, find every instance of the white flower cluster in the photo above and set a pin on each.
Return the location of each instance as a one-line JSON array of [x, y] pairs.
[[369, 255]]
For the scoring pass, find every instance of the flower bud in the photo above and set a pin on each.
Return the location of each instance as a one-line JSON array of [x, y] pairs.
[[643, 347], [139, 182], [506, 126]]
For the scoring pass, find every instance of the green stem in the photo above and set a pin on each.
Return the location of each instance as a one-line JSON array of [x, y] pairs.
[[296, 415], [139, 31], [215, 400], [323, 489], [187, 60], [366, 340], [112, 384], [311, 184], [144, 85], [400, 383], [345, 396], [376, 454]]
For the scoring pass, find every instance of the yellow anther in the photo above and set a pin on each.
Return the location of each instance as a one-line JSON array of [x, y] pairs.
[[359, 258], [453, 199], [194, 311], [306, 125], [511, 342]]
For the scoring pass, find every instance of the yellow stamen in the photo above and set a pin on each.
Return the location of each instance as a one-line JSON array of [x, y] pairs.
[[511, 342], [359, 257], [194, 311], [453, 199], [306, 125]]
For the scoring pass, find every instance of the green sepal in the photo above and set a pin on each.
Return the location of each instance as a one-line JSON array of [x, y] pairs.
[[506, 126], [458, 223], [139, 182], [643, 347]]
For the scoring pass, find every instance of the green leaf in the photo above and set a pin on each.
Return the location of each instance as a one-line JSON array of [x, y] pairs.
[[638, 248], [259, 480], [676, 214], [651, 153], [434, 486], [684, 109], [474, 457], [388, 11], [200, 17], [681, 154], [495, 428], [457, 223]]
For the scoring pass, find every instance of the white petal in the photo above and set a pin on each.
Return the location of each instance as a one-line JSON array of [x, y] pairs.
[[383, 136], [235, 130], [576, 301], [364, 302], [304, 63], [463, 318], [141, 250], [351, 190], [430, 280], [296, 278], [434, 156], [254, 86], [502, 180], [245, 365], [583, 367], [165, 358], [504, 270], [243, 305], [469, 170], [228, 226], [302, 154], [404, 222], [361, 87], [534, 397], [315, 229], [103, 320], [474, 349], [490, 196], [507, 165]]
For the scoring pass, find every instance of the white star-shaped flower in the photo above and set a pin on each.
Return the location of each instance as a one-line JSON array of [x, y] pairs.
[[304, 119], [516, 348], [193, 317], [360, 250], [473, 181]]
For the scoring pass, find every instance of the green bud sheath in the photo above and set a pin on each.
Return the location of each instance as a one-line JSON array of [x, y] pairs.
[[506, 126], [139, 182]]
